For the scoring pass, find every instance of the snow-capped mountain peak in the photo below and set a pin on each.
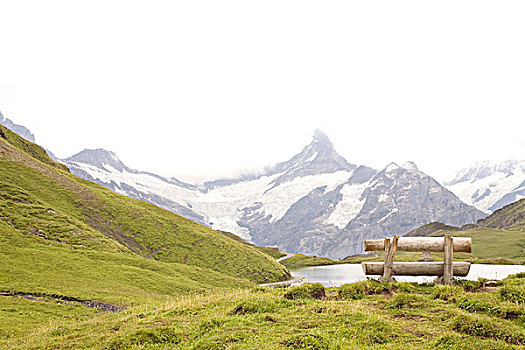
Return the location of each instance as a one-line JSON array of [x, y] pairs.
[[410, 166], [99, 158], [318, 157], [391, 167], [315, 203], [485, 169], [321, 137], [490, 185]]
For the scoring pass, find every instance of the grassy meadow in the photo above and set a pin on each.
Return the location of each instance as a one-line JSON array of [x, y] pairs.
[[364, 315]]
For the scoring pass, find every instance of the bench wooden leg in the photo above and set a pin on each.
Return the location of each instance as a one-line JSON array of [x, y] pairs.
[[448, 272]]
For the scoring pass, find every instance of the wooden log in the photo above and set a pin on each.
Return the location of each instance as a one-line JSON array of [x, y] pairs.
[[390, 252], [416, 268], [421, 244], [448, 273]]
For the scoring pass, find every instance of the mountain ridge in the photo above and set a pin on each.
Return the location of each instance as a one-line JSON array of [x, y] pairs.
[[19, 129], [490, 185], [43, 201], [276, 201]]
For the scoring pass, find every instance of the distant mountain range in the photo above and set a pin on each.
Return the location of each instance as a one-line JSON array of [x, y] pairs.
[[490, 186], [314, 203], [19, 129]]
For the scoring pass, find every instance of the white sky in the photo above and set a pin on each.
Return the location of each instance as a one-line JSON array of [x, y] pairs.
[[203, 89]]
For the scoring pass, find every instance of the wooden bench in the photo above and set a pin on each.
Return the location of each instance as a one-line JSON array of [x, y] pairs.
[[447, 269]]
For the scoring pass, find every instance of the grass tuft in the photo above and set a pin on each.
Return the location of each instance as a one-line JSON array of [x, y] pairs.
[[307, 341], [486, 328], [156, 336], [305, 291], [359, 290]]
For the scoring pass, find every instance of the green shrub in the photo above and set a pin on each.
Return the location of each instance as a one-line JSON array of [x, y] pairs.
[[306, 291]]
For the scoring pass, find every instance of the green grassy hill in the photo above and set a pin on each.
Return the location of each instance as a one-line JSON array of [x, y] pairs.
[[273, 252], [499, 238], [429, 229], [66, 236]]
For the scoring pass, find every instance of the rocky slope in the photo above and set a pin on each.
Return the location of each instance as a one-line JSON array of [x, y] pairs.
[[105, 168]]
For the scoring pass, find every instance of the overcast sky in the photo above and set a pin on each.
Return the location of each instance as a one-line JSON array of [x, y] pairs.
[[205, 89]]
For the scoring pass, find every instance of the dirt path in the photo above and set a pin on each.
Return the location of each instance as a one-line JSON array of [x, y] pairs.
[[297, 281], [288, 255], [68, 300]]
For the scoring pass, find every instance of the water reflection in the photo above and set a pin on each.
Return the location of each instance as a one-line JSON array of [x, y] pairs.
[[337, 275]]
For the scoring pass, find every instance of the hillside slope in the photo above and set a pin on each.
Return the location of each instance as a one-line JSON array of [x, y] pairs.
[[500, 235], [508, 217], [67, 220]]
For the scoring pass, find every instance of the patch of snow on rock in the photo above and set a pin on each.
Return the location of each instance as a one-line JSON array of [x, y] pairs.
[[350, 206]]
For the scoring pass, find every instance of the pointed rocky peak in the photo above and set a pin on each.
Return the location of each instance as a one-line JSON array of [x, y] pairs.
[[410, 166], [100, 158], [391, 167], [321, 149], [395, 174], [318, 157], [321, 138]]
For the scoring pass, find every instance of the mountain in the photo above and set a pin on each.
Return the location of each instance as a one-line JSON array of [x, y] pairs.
[[63, 236], [105, 168], [393, 201], [490, 186], [19, 129], [314, 203]]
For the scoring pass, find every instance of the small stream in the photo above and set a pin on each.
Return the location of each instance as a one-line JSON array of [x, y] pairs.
[[337, 275]]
